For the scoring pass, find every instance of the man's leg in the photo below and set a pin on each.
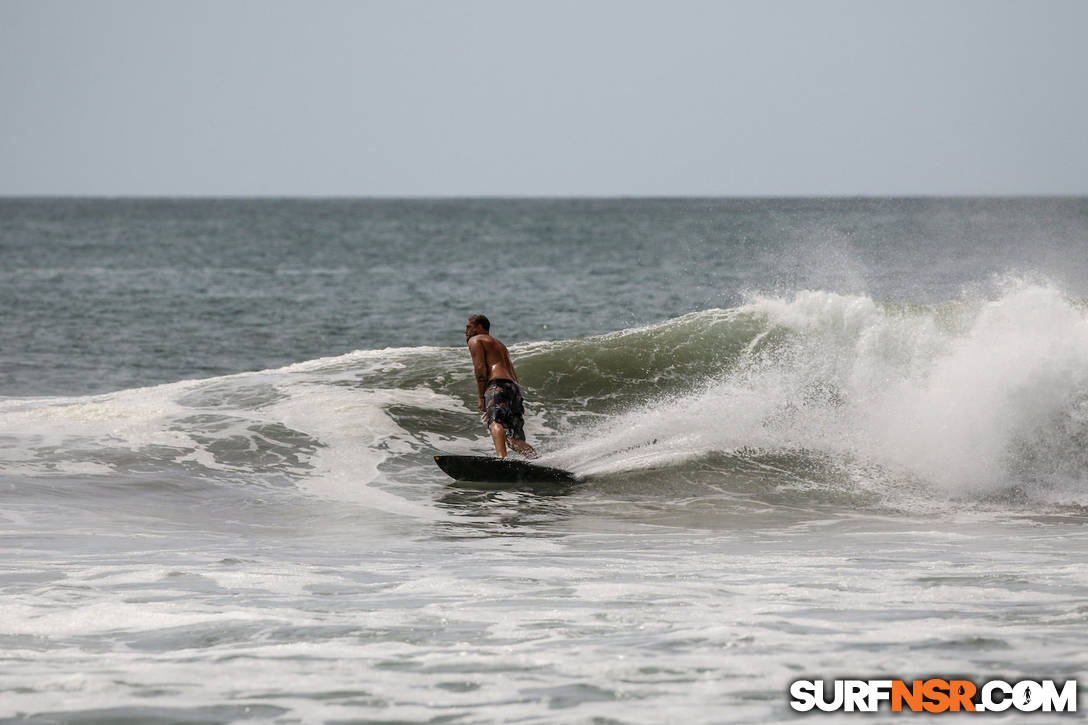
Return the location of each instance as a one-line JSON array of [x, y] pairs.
[[498, 435]]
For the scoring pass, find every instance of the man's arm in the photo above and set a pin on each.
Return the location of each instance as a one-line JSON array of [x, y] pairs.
[[479, 367]]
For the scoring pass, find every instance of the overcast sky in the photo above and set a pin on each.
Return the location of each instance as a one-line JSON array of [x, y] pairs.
[[550, 97]]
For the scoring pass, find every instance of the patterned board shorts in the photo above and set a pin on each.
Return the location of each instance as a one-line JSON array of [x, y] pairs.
[[502, 400]]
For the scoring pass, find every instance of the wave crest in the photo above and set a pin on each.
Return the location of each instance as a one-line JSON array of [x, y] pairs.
[[976, 395], [983, 394]]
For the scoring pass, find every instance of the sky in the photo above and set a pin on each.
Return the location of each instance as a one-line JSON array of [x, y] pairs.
[[543, 97]]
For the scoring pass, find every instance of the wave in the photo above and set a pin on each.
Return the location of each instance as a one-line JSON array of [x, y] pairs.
[[818, 391], [973, 396]]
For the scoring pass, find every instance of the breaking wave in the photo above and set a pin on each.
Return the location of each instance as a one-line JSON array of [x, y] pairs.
[[813, 391]]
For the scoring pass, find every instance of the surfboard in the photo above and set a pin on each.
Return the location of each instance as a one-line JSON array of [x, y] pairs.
[[488, 469]]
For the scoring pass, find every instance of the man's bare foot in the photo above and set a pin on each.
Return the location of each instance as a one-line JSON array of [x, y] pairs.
[[524, 449]]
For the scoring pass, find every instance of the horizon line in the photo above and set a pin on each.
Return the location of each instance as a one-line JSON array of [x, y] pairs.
[[540, 197]]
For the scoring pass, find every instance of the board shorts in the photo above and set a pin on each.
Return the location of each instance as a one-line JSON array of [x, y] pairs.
[[503, 403]]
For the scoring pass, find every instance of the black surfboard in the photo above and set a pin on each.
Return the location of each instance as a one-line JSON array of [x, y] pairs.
[[488, 469]]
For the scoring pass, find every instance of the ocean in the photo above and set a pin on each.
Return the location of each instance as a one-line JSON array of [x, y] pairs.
[[820, 438]]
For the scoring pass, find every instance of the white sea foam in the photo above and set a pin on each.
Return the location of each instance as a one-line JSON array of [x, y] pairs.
[[979, 394], [984, 393], [339, 430], [357, 435]]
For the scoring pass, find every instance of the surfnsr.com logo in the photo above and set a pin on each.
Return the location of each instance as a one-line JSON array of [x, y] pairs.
[[933, 695]]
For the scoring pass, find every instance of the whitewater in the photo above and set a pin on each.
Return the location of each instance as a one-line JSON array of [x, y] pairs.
[[805, 481], [818, 415]]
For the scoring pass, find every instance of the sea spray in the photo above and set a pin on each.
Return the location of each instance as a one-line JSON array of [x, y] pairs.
[[975, 395], [981, 395]]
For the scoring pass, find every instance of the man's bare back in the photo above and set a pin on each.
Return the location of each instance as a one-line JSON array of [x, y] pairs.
[[497, 385]]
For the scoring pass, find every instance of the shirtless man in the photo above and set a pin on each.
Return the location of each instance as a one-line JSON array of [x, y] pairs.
[[497, 383]]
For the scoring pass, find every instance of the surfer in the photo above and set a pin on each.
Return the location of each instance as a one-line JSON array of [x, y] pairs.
[[497, 384]]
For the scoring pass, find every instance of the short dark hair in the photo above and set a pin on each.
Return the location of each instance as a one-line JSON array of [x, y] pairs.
[[480, 320]]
